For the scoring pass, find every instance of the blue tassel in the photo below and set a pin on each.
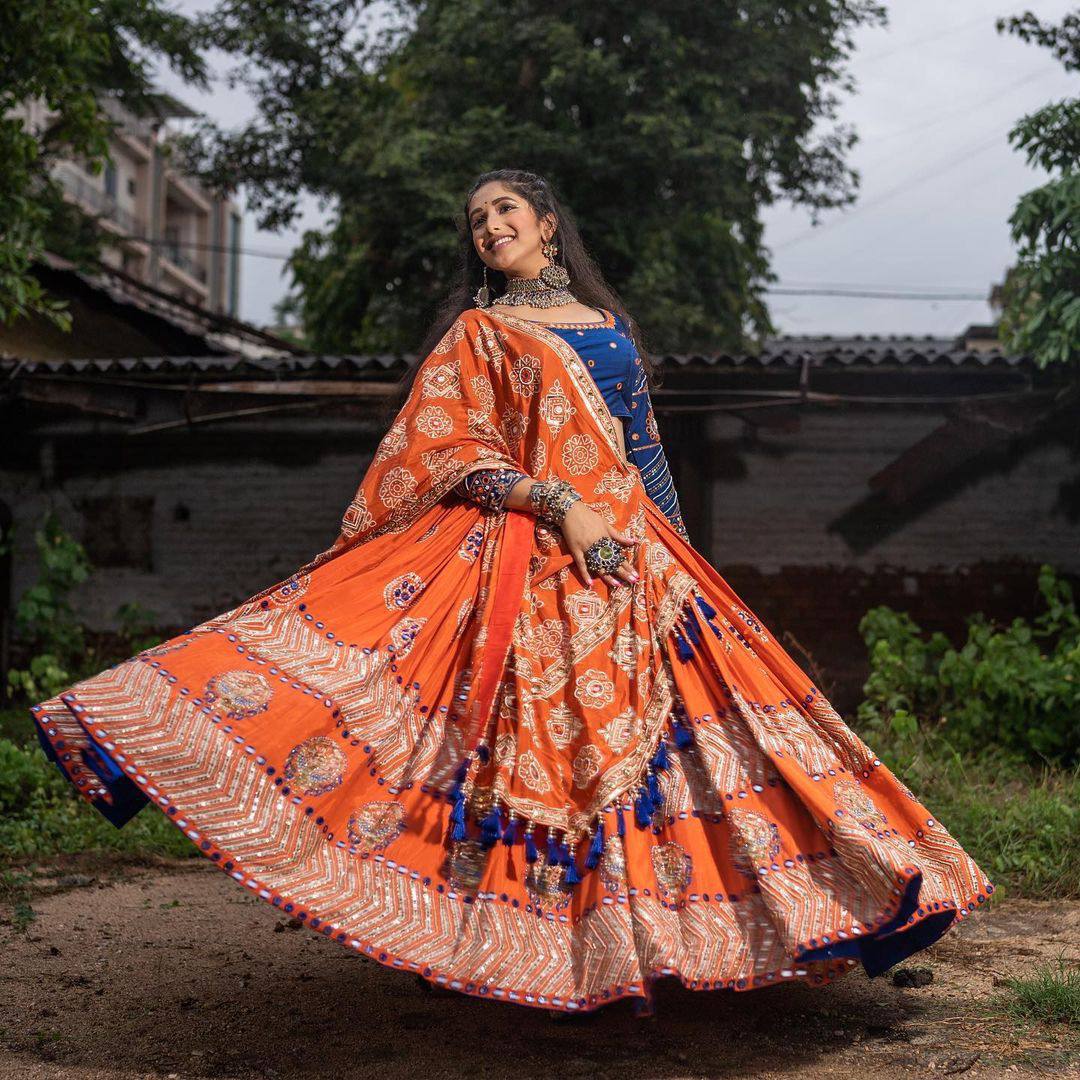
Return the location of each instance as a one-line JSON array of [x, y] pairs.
[[596, 848], [483, 754], [531, 854], [706, 608], [621, 820], [682, 647], [660, 758], [510, 832], [572, 877], [491, 827], [552, 850], [457, 811], [693, 627], [684, 737], [655, 794], [459, 780], [643, 809]]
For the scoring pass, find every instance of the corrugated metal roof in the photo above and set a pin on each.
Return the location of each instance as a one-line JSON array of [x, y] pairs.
[[782, 351]]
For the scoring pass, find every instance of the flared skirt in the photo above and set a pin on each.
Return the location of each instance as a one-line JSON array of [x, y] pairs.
[[770, 844]]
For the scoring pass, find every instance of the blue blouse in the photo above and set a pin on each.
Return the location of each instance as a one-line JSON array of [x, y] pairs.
[[608, 352]]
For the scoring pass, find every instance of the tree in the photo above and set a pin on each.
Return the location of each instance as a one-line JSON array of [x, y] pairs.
[[69, 54], [666, 128], [1042, 291]]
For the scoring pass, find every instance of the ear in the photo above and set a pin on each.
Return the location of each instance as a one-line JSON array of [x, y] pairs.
[[548, 226]]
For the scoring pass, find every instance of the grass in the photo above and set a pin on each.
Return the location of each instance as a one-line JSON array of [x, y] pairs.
[[1051, 994], [1019, 823]]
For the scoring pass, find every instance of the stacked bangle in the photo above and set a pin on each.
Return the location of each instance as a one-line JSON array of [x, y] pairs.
[[551, 499]]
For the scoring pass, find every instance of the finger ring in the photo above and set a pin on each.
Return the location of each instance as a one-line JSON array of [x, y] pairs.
[[604, 556]]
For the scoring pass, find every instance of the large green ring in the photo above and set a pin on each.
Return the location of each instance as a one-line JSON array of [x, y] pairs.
[[604, 556]]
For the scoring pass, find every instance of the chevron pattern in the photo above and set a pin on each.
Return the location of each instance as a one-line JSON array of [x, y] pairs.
[[782, 847]]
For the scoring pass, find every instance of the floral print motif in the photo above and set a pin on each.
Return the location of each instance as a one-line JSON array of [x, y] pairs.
[[587, 765], [239, 694], [579, 454], [563, 726], [594, 689], [531, 773], [620, 730]]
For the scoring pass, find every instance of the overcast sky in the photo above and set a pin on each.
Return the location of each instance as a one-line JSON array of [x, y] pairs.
[[937, 91]]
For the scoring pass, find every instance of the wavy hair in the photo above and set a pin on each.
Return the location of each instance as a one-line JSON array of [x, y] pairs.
[[586, 281]]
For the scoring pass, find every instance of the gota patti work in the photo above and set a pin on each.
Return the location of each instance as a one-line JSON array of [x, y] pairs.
[[433, 744]]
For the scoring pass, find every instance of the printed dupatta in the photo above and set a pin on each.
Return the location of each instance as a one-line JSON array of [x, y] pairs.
[[559, 709]]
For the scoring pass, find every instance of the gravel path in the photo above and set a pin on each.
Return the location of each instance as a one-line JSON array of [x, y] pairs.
[[172, 971]]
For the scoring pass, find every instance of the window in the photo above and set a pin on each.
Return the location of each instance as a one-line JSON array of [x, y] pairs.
[[131, 186], [110, 179]]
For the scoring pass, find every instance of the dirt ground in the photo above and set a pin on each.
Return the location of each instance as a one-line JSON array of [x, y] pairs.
[[173, 971]]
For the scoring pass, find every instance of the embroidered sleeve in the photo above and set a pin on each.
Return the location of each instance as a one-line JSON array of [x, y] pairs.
[[489, 487], [648, 454]]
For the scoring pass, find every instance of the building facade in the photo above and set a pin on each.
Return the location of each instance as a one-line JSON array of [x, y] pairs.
[[162, 227]]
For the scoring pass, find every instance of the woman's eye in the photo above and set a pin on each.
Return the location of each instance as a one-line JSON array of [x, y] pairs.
[[505, 206]]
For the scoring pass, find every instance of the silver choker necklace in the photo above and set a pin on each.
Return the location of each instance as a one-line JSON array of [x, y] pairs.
[[535, 292]]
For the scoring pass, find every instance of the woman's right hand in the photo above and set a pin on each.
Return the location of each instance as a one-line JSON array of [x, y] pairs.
[[582, 527]]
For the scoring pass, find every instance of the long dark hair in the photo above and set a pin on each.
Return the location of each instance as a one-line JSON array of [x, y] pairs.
[[586, 281]]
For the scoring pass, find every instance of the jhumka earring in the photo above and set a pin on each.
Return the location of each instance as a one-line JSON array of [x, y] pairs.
[[483, 294], [553, 275]]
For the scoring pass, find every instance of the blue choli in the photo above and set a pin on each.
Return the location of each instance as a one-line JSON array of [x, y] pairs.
[[616, 368]]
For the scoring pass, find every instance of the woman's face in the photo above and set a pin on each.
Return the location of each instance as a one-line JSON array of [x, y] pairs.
[[505, 231]]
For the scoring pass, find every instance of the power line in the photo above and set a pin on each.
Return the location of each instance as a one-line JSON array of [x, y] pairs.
[[920, 126], [920, 178], [912, 43], [872, 294]]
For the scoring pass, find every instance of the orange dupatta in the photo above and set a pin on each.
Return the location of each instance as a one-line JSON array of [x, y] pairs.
[[562, 692]]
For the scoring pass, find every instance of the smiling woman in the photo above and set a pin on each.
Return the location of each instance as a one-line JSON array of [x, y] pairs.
[[511, 732]]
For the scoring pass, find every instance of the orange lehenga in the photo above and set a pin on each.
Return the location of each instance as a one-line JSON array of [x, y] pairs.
[[435, 745]]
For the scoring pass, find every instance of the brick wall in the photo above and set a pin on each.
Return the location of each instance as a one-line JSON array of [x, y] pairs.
[[979, 548]]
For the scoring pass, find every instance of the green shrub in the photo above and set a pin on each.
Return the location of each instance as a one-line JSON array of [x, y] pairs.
[[1014, 687], [41, 814], [45, 623], [58, 649]]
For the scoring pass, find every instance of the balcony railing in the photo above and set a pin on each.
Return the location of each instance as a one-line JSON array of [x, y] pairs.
[[182, 262], [98, 202], [135, 126]]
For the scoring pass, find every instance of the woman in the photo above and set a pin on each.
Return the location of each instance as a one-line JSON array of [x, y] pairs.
[[511, 732]]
